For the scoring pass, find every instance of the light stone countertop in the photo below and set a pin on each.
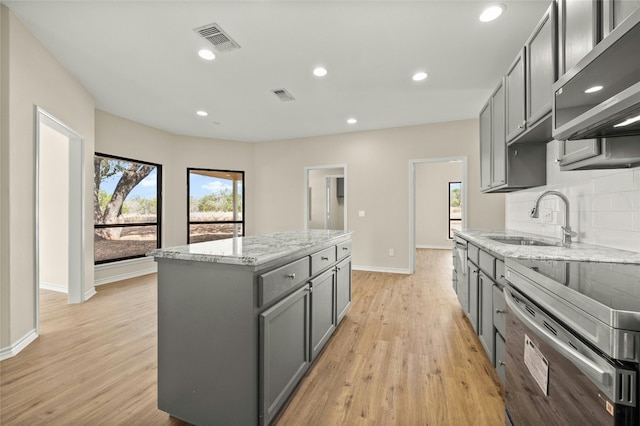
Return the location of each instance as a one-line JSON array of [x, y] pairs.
[[255, 251], [574, 252]]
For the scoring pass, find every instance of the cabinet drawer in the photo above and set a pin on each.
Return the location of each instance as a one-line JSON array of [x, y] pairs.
[[498, 310], [344, 249], [279, 281], [500, 357], [323, 259], [488, 264], [473, 253]]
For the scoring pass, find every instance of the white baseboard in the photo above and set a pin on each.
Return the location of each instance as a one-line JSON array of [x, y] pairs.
[[89, 294], [13, 350], [54, 287], [427, 246], [147, 266], [380, 269]]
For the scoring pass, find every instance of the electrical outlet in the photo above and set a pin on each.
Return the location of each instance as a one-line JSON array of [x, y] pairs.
[[547, 216], [392, 252]]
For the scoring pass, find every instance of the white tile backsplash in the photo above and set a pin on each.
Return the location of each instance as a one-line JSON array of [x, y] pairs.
[[604, 205]]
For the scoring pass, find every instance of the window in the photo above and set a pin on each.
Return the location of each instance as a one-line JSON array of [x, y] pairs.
[[126, 209], [216, 203], [455, 207]]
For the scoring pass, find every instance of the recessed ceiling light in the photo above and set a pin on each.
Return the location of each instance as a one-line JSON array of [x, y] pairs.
[[202, 113], [419, 76], [593, 89], [320, 71], [352, 121], [206, 54], [492, 12]]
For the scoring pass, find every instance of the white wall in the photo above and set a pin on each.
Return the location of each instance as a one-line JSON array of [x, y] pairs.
[[32, 76], [54, 209], [378, 183], [604, 205], [432, 202]]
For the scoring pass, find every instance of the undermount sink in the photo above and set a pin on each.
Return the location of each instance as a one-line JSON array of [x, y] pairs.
[[522, 241]]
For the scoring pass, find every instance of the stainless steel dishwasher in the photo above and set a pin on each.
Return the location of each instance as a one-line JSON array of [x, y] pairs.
[[572, 343]]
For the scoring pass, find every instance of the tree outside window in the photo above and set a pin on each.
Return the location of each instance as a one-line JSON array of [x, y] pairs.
[[455, 207], [126, 200]]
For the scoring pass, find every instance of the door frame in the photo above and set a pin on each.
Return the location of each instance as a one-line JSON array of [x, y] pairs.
[[76, 259], [412, 199], [307, 198]]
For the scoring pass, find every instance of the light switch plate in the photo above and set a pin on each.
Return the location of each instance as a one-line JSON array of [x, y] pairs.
[[361, 213]]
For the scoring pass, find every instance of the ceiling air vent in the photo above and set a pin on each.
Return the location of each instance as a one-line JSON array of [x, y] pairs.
[[283, 95], [216, 36]]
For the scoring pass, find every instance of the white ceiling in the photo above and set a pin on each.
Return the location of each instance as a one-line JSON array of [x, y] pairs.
[[139, 60]]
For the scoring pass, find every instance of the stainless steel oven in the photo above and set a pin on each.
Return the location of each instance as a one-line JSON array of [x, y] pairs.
[[572, 343]]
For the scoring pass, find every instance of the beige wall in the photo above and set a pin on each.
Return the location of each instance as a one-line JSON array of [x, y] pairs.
[[432, 202], [32, 76], [54, 209], [378, 183]]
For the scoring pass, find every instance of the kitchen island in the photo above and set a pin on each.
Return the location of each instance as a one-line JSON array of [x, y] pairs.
[[241, 320]]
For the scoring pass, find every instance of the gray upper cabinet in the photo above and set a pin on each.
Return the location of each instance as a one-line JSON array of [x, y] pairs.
[[616, 11], [498, 137], [515, 96], [541, 68], [579, 30], [485, 147], [528, 84]]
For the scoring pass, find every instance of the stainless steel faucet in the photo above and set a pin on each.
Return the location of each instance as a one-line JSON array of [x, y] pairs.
[[566, 229]]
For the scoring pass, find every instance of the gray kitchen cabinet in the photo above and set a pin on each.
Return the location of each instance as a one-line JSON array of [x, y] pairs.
[[284, 354], [323, 310], [616, 11], [472, 312], [500, 357], [541, 71], [515, 97], [343, 288], [498, 137], [486, 330], [485, 147]]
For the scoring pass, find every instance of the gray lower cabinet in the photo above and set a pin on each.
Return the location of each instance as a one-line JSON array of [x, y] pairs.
[[499, 313], [323, 310], [343, 288], [486, 331], [472, 312], [284, 350], [500, 357]]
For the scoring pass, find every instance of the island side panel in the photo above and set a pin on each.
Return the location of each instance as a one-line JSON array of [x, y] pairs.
[[207, 343]]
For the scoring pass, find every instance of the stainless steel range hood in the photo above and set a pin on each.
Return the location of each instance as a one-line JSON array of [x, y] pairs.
[[600, 95]]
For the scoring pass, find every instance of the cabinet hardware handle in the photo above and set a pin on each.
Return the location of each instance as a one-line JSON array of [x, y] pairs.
[[501, 363], [324, 258], [345, 248], [500, 311], [291, 276], [557, 160], [501, 276], [337, 269]]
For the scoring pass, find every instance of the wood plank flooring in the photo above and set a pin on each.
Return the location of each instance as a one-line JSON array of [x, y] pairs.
[[404, 355]]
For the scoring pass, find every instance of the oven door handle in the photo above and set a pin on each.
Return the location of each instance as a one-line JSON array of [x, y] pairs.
[[583, 363]]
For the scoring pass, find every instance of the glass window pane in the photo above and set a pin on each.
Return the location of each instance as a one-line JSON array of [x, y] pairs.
[[217, 231], [113, 243], [215, 195]]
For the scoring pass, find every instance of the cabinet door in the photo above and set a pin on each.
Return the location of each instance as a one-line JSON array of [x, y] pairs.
[[323, 312], [578, 29], [485, 146], [616, 11], [486, 331], [343, 288], [472, 313], [573, 151], [284, 350], [500, 357], [541, 67], [463, 288], [515, 97], [498, 137]]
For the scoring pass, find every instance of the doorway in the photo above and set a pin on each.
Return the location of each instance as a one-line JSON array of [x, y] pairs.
[[430, 202], [326, 197], [59, 221]]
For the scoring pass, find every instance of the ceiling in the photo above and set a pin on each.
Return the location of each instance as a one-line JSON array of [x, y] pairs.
[[139, 60]]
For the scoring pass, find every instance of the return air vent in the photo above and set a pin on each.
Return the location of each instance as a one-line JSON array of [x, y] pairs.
[[216, 36], [283, 95]]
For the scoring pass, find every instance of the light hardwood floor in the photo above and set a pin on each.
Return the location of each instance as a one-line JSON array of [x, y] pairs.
[[404, 355]]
